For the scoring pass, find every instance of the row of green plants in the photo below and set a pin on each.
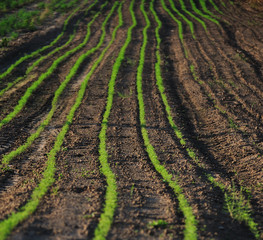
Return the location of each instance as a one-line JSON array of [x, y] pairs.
[[40, 50], [110, 205], [190, 23], [238, 207], [179, 24], [205, 9], [200, 13], [192, 15], [215, 7], [63, 5], [10, 156], [23, 100], [36, 63], [190, 231], [48, 176]]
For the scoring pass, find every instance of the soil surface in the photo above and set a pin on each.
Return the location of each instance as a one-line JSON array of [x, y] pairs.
[[213, 85]]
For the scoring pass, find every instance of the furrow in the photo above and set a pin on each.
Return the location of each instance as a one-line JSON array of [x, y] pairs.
[[215, 7], [192, 15], [205, 9], [245, 86], [179, 24]]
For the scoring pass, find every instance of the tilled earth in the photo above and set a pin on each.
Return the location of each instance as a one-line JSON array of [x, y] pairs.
[[215, 93]]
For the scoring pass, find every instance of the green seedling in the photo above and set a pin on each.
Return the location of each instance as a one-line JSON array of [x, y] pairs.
[[106, 217], [132, 189], [157, 224]]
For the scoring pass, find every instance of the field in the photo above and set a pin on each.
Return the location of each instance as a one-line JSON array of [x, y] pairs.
[[131, 119]]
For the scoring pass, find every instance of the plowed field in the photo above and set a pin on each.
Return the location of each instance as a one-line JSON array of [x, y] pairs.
[[135, 120]]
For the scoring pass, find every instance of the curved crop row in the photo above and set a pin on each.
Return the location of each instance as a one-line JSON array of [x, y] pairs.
[[7, 225], [200, 13], [191, 25], [8, 157], [203, 5], [29, 69], [215, 6], [23, 100], [22, 59], [190, 231], [241, 214], [192, 15], [106, 217], [179, 24]]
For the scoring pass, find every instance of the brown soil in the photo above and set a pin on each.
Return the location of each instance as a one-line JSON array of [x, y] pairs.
[[219, 110]]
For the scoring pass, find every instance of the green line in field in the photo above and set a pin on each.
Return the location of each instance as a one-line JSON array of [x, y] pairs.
[[190, 221], [7, 225], [29, 69], [183, 17], [223, 3], [192, 15], [8, 157], [22, 59], [215, 6], [106, 217], [205, 9], [23, 100], [200, 13], [179, 24]]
